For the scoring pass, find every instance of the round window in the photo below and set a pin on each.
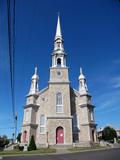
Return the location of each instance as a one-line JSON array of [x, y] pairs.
[[58, 73]]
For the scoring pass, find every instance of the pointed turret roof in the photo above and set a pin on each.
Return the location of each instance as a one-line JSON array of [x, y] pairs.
[[58, 29], [34, 83], [81, 74], [35, 76], [82, 83]]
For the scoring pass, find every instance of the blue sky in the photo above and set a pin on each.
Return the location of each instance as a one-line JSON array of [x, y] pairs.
[[91, 32]]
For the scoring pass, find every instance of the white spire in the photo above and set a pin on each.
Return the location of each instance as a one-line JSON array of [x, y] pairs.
[[34, 84], [36, 70], [58, 55], [81, 74], [35, 76], [80, 70], [82, 83], [58, 29]]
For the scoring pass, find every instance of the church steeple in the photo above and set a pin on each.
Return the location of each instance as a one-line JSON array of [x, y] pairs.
[[82, 83], [34, 84], [58, 29], [58, 55]]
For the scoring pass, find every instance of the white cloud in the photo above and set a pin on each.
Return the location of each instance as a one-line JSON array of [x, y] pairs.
[[108, 101], [116, 61], [115, 81]]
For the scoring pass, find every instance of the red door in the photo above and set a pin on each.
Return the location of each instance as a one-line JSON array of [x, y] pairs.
[[59, 135], [24, 136]]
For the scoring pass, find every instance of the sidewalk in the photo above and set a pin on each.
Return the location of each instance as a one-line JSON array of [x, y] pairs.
[[62, 151], [58, 151]]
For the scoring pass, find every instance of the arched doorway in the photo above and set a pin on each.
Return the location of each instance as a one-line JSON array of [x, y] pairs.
[[25, 136], [59, 135]]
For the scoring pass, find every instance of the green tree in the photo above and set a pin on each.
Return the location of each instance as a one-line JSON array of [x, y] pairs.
[[3, 141], [109, 134], [32, 145], [19, 137]]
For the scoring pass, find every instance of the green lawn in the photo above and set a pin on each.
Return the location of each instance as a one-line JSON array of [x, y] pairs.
[[38, 151], [77, 149]]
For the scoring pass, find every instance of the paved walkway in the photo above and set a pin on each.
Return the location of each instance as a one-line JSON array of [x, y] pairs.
[[62, 151]]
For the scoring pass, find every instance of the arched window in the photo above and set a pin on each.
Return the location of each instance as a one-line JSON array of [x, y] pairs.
[[91, 115], [58, 44], [59, 62], [42, 124], [27, 116], [75, 122], [59, 103]]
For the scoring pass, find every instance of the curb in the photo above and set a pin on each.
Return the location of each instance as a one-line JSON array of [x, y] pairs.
[[46, 154]]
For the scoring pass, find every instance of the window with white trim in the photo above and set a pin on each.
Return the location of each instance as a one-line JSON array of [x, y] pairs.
[[42, 124], [27, 115], [59, 103]]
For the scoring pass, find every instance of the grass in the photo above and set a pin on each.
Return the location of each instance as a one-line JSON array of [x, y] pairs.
[[45, 151], [35, 152], [77, 149]]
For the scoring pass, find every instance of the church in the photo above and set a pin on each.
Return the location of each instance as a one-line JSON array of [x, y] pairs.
[[59, 115]]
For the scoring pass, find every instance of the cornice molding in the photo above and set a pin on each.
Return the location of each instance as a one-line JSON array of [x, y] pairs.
[[31, 105], [60, 117]]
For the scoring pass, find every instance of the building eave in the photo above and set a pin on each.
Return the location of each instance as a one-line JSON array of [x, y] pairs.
[[43, 90], [31, 105], [30, 124], [50, 82], [87, 105], [91, 124]]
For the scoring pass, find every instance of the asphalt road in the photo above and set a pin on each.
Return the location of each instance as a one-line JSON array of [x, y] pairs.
[[112, 154]]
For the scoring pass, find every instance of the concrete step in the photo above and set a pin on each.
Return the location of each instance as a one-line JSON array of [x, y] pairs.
[[11, 147], [116, 145]]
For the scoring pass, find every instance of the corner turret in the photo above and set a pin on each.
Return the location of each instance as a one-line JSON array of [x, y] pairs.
[[82, 83], [34, 84]]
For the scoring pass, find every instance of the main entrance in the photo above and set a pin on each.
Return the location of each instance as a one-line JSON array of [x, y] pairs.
[[59, 135], [25, 136]]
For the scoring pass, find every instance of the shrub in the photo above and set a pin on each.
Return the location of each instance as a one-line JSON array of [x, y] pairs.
[[118, 141], [21, 148], [19, 137], [3, 141], [32, 145]]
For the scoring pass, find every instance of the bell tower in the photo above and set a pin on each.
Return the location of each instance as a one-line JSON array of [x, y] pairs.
[[58, 70], [59, 92], [58, 55]]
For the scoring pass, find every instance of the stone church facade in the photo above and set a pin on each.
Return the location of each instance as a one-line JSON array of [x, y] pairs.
[[59, 114]]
